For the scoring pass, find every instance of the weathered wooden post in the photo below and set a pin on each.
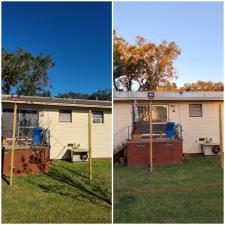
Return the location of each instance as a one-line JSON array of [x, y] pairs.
[[151, 96], [221, 136], [150, 143], [13, 144], [89, 145]]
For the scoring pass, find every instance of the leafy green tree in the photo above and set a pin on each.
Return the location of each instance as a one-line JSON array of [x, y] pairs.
[[28, 74], [105, 95], [74, 95]]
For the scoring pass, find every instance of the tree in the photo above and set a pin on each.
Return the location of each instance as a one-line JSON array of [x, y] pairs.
[[28, 74], [105, 95], [167, 86], [74, 95], [144, 65], [126, 64], [203, 86]]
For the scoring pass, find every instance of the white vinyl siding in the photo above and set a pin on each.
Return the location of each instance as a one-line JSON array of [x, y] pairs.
[[63, 133], [193, 128], [123, 116], [102, 137]]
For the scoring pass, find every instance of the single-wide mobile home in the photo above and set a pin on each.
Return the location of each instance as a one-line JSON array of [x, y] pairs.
[[196, 112], [66, 119]]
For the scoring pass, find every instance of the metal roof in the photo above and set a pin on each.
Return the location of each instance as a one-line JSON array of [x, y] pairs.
[[58, 101], [186, 95]]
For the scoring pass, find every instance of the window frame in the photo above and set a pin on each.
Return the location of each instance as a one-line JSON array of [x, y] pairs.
[[102, 114], [200, 108], [24, 127], [167, 114], [156, 123], [11, 110], [71, 116]]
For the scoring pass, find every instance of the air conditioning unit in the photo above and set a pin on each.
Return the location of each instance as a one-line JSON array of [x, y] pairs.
[[79, 155], [211, 149], [97, 120]]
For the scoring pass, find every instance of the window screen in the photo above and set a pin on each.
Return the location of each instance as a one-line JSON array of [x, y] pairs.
[[195, 110], [159, 114], [28, 119], [98, 117], [65, 115], [7, 122], [159, 118]]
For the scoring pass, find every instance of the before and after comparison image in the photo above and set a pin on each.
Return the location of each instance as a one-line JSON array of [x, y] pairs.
[[112, 112]]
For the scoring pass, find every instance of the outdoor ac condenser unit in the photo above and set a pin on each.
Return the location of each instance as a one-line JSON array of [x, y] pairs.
[[79, 155], [97, 120], [211, 149]]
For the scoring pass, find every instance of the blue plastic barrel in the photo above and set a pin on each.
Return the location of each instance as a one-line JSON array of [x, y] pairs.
[[37, 137], [170, 131]]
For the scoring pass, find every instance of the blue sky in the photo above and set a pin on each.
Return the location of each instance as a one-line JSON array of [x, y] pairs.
[[77, 36], [196, 27]]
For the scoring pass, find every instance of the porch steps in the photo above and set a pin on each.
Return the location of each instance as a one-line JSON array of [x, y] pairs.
[[119, 147]]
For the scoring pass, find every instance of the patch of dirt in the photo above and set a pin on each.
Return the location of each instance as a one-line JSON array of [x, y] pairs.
[[196, 187]]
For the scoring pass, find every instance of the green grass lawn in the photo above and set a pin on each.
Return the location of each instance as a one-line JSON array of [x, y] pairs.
[[65, 195], [142, 197]]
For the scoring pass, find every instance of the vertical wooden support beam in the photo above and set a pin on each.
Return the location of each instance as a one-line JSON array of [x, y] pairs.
[[150, 141], [89, 144], [13, 145], [221, 136]]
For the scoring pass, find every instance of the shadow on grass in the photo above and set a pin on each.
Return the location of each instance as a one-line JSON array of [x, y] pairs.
[[75, 172], [72, 184], [5, 179]]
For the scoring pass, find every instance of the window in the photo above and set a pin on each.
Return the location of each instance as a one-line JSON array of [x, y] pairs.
[[195, 110], [159, 114], [98, 117], [28, 119], [159, 118], [65, 115], [7, 122]]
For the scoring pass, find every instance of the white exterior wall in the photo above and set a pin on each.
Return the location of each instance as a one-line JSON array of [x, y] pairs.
[[122, 116], [197, 127], [193, 127], [102, 137], [62, 133]]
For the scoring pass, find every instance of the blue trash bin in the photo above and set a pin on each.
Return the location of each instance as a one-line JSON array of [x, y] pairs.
[[170, 131], [37, 137]]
